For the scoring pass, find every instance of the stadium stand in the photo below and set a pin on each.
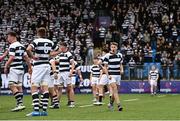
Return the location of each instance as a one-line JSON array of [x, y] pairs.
[[144, 29]]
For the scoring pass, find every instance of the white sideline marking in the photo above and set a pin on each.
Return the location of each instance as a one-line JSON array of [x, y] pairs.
[[161, 96], [129, 100], [82, 106]]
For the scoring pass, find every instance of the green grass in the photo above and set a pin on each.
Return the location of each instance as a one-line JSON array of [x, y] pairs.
[[146, 107]]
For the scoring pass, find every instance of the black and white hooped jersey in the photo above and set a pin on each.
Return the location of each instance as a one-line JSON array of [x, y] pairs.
[[153, 75], [17, 50], [65, 60], [42, 48], [95, 70], [76, 67], [114, 62]]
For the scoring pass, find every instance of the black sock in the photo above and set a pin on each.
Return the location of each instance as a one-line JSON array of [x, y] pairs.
[[45, 100], [100, 98], [18, 98], [35, 98]]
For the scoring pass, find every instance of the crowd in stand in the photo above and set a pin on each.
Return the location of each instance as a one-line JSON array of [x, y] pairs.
[[145, 30]]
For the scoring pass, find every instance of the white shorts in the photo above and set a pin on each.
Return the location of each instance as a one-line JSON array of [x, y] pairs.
[[153, 82], [51, 82], [40, 75], [15, 76], [103, 80], [73, 80], [94, 80], [64, 78], [57, 83], [116, 79]]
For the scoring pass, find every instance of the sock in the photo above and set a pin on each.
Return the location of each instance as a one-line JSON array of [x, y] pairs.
[[55, 100], [45, 100], [100, 97], [35, 98], [119, 104], [72, 102], [111, 100], [41, 102], [18, 98], [21, 101]]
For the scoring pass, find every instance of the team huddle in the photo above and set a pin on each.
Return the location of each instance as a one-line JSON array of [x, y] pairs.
[[52, 68]]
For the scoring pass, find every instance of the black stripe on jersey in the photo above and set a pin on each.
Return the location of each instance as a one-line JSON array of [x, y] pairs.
[[39, 63], [114, 73], [40, 51], [64, 66], [115, 69], [17, 60], [15, 65], [43, 58], [20, 48], [20, 68], [12, 50], [18, 54], [114, 63], [65, 70], [42, 44]]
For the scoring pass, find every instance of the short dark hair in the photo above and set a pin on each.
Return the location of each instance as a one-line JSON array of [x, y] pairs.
[[41, 32], [64, 44], [114, 43], [12, 33]]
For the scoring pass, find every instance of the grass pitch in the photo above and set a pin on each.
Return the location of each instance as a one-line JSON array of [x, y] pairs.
[[136, 106]]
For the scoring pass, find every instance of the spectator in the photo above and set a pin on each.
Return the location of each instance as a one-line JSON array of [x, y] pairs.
[[140, 68], [132, 66], [171, 68], [177, 61], [90, 52], [146, 37], [164, 60]]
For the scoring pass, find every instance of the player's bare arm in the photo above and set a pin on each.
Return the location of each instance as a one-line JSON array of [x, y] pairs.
[[55, 72], [29, 52], [10, 60], [121, 69], [28, 62], [72, 67]]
